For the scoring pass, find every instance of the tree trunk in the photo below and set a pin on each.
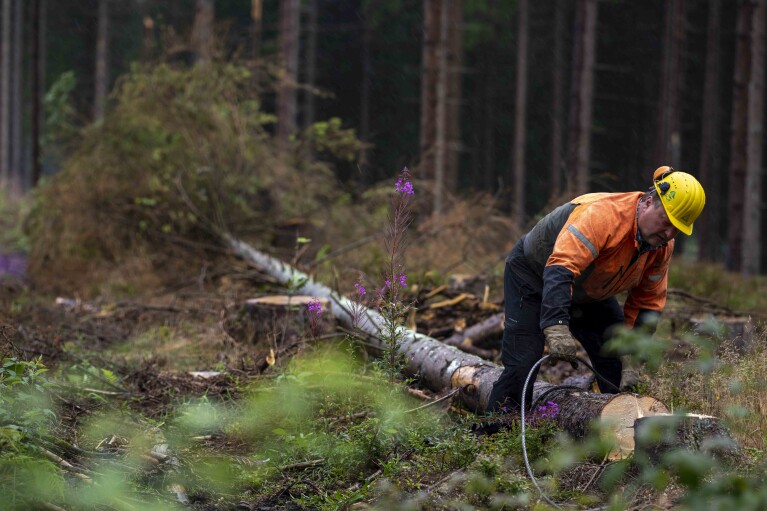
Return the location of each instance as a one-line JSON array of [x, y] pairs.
[[17, 181], [752, 206], [454, 101], [520, 111], [289, 39], [365, 87], [557, 101], [440, 128], [37, 79], [429, 74], [5, 95], [102, 61], [202, 31], [310, 63], [441, 58], [257, 19], [739, 138], [667, 142], [440, 367], [584, 56], [708, 227]]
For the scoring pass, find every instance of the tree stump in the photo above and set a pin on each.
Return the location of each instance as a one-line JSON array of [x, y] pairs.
[[275, 321], [663, 433], [727, 331]]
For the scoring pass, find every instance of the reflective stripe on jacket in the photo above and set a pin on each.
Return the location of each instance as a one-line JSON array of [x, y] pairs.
[[588, 250]]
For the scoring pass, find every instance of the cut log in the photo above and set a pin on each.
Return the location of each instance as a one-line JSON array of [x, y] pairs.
[[615, 414], [440, 367]]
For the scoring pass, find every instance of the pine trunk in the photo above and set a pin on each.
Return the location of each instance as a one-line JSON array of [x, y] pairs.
[[289, 39], [102, 61], [752, 219], [520, 114], [584, 57], [708, 226], [738, 137], [202, 31], [557, 102]]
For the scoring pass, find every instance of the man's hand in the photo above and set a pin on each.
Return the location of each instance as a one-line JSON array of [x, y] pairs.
[[561, 342], [629, 374]]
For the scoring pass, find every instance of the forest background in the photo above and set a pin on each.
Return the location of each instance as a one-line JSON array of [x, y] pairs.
[[530, 102], [143, 142]]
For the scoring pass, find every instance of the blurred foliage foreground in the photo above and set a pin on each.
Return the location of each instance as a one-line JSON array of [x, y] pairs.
[[111, 418]]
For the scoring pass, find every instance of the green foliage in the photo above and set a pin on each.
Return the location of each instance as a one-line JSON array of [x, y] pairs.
[[60, 128], [184, 153], [713, 282], [24, 400]]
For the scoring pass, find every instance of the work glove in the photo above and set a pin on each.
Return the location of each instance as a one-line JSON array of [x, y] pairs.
[[561, 343], [629, 374]]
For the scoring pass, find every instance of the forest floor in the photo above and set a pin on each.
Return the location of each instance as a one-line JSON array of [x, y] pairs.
[[156, 405]]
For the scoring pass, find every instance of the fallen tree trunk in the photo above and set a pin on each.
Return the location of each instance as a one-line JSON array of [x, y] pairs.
[[440, 367]]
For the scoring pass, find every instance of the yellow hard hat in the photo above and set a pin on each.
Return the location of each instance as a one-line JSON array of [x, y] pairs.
[[682, 197]]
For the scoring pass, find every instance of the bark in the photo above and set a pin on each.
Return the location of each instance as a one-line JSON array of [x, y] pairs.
[[520, 111], [584, 57], [288, 53], [752, 206], [440, 367], [708, 225], [738, 137], [102, 61]]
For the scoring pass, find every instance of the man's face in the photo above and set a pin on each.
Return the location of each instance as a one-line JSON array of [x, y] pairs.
[[654, 225]]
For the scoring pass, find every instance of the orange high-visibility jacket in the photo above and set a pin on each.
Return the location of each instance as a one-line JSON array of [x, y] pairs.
[[589, 250]]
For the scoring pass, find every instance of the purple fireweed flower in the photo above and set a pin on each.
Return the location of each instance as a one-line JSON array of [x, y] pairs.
[[404, 186], [360, 289], [548, 411], [387, 283], [402, 279], [315, 306]]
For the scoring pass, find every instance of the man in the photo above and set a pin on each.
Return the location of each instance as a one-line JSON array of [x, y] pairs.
[[562, 277]]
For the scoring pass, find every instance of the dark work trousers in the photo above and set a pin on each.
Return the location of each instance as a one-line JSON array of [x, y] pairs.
[[523, 341]]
